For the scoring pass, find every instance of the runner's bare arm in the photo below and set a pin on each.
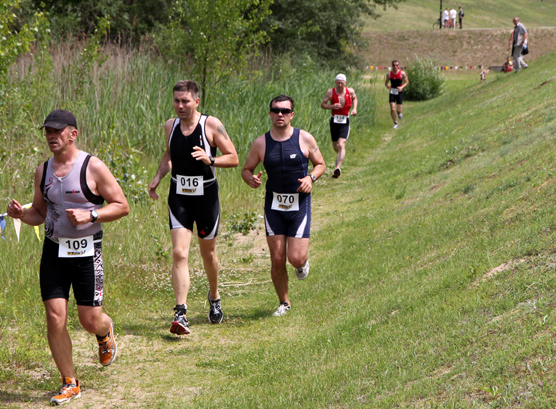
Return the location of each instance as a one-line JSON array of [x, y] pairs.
[[103, 183], [36, 214], [386, 83], [165, 163], [308, 143], [353, 102], [325, 102], [217, 136], [405, 81], [253, 159]]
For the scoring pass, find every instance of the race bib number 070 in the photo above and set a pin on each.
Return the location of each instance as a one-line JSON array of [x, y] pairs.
[[189, 185], [82, 247], [285, 202]]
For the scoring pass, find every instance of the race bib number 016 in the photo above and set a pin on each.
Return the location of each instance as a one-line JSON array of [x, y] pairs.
[[394, 91], [82, 247], [340, 119], [285, 202], [190, 185]]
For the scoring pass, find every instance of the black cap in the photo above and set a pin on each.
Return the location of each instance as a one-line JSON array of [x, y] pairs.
[[59, 119]]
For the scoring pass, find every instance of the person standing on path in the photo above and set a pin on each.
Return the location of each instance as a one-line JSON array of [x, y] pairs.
[[461, 15], [396, 81], [518, 40], [340, 99], [69, 191], [446, 17], [285, 152], [191, 143]]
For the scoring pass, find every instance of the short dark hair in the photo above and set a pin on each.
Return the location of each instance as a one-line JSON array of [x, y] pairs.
[[187, 86], [395, 61], [281, 98]]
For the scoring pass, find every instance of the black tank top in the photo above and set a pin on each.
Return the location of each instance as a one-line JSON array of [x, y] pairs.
[[181, 147], [284, 163]]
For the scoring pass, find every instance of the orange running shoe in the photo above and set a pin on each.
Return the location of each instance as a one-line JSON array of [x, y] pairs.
[[70, 390], [107, 348]]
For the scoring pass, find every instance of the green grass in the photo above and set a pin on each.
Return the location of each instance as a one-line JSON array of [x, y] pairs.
[[402, 307], [421, 14]]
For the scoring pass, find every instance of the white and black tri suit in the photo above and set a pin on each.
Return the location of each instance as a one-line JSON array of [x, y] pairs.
[[193, 196], [287, 212]]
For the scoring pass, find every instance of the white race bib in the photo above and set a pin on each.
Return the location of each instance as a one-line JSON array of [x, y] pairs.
[[285, 202], [394, 91], [82, 247], [340, 119], [189, 185]]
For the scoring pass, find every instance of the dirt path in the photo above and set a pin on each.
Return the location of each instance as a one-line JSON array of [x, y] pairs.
[[452, 47]]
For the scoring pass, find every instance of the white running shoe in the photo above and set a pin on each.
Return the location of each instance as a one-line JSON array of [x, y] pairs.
[[396, 125], [400, 116], [283, 309], [302, 272]]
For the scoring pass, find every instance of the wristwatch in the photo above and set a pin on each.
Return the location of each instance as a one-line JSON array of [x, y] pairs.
[[94, 216], [212, 161], [313, 178]]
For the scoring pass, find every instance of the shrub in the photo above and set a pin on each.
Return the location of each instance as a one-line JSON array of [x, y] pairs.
[[425, 81]]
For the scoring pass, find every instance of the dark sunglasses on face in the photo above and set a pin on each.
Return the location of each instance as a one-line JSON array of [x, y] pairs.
[[283, 111]]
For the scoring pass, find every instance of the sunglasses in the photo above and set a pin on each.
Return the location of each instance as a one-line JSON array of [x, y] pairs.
[[283, 111]]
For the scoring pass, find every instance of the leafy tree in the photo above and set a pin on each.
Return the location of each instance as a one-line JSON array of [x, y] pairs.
[[130, 18], [16, 39], [326, 29], [213, 38]]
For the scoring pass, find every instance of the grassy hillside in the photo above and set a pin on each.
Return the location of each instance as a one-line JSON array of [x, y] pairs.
[[432, 279], [420, 14]]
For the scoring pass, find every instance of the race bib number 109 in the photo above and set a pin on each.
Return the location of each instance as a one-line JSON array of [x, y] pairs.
[[82, 247], [285, 202], [189, 185]]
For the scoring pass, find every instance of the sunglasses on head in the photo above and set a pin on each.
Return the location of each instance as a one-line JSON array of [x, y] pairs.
[[283, 111]]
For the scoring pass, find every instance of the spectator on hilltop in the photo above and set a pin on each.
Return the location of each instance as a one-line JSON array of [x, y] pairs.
[[518, 41], [461, 15], [446, 17], [453, 16]]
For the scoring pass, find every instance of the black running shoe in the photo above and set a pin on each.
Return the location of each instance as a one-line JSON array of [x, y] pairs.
[[337, 173], [215, 313], [180, 326]]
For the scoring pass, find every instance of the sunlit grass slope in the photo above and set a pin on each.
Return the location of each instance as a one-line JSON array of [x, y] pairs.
[[431, 286], [420, 14], [432, 282]]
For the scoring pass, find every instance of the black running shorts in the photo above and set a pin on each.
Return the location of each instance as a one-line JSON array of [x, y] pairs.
[[84, 274], [398, 99], [290, 224], [338, 131], [202, 210]]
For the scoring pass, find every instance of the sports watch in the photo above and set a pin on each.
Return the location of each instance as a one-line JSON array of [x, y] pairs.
[[313, 178], [94, 216]]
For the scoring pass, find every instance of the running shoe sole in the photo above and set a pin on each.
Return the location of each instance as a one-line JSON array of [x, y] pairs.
[[179, 329]]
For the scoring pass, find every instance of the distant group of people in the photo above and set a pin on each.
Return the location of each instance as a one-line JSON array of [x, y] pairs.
[[449, 18]]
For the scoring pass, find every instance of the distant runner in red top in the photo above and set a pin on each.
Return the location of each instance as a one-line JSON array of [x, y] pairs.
[[398, 81], [340, 100]]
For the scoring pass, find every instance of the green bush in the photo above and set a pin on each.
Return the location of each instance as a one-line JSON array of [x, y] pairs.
[[425, 81]]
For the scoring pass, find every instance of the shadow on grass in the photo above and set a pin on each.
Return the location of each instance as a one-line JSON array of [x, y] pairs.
[[25, 397]]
